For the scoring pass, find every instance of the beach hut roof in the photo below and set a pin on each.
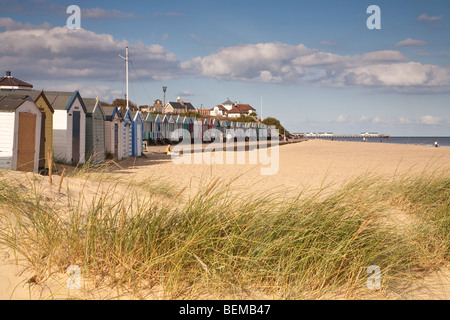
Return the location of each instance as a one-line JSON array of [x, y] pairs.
[[91, 104], [171, 120], [110, 112], [11, 103], [34, 94], [63, 100], [150, 117]]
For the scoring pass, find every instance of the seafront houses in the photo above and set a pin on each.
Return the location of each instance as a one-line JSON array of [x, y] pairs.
[[179, 107], [20, 139], [113, 132], [69, 126], [218, 111], [241, 110], [95, 131], [47, 111]]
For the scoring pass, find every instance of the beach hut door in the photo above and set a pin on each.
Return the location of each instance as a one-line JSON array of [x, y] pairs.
[[76, 137], [42, 148], [26, 149], [116, 140]]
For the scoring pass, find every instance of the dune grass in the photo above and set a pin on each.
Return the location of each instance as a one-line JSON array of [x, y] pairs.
[[220, 245]]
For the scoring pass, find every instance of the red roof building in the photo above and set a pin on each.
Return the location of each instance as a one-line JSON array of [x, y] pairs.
[[8, 82]]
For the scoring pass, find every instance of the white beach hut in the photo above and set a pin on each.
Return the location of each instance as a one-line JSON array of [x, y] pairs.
[[69, 126], [20, 138]]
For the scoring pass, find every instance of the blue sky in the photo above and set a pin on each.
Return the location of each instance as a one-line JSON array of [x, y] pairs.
[[314, 64]]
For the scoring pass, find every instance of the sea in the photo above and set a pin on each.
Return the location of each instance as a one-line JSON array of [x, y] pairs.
[[421, 141]]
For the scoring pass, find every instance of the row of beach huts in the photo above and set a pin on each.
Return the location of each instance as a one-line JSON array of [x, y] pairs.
[[35, 125]]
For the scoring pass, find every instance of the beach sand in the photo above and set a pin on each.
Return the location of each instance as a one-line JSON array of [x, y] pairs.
[[306, 165]]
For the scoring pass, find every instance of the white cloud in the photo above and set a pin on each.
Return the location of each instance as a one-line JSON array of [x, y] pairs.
[[426, 17], [46, 53], [185, 93], [430, 120], [342, 118], [364, 118], [411, 43], [9, 24], [105, 93], [277, 62], [60, 53], [384, 56]]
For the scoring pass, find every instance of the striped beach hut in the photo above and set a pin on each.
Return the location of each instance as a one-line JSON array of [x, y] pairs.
[[158, 127], [127, 134], [113, 132], [20, 138], [137, 133], [69, 126], [95, 131]]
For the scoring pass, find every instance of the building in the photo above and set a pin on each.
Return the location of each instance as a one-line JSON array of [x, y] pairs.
[[69, 126], [113, 132], [8, 82], [95, 131], [228, 105], [218, 111], [241, 110], [179, 107], [20, 138], [47, 112]]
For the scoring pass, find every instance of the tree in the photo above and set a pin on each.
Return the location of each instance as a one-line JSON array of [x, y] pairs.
[[123, 103], [275, 122]]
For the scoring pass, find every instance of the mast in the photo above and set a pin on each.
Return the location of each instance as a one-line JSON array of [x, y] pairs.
[[126, 71]]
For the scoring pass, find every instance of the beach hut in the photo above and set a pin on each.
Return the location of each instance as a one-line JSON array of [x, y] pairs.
[[170, 127], [165, 126], [199, 130], [191, 121], [137, 133], [158, 127], [185, 123], [127, 134], [149, 126], [95, 131], [20, 138], [69, 126], [113, 132], [47, 111], [178, 124], [145, 126]]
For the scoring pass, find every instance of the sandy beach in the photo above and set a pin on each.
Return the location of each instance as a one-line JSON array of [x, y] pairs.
[[309, 164], [306, 165]]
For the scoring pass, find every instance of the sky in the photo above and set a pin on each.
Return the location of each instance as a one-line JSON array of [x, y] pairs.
[[314, 65]]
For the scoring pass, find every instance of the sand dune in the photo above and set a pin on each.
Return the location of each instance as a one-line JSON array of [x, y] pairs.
[[310, 164]]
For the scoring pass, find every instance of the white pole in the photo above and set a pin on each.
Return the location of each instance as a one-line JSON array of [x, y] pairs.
[[126, 71], [126, 61]]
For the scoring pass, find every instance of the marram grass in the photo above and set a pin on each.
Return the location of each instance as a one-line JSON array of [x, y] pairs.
[[220, 244]]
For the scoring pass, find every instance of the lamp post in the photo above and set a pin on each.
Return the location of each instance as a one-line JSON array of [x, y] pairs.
[[164, 103]]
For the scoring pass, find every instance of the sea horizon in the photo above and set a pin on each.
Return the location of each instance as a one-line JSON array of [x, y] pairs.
[[443, 141]]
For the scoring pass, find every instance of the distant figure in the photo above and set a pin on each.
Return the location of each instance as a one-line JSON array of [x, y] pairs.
[[436, 144], [168, 150]]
